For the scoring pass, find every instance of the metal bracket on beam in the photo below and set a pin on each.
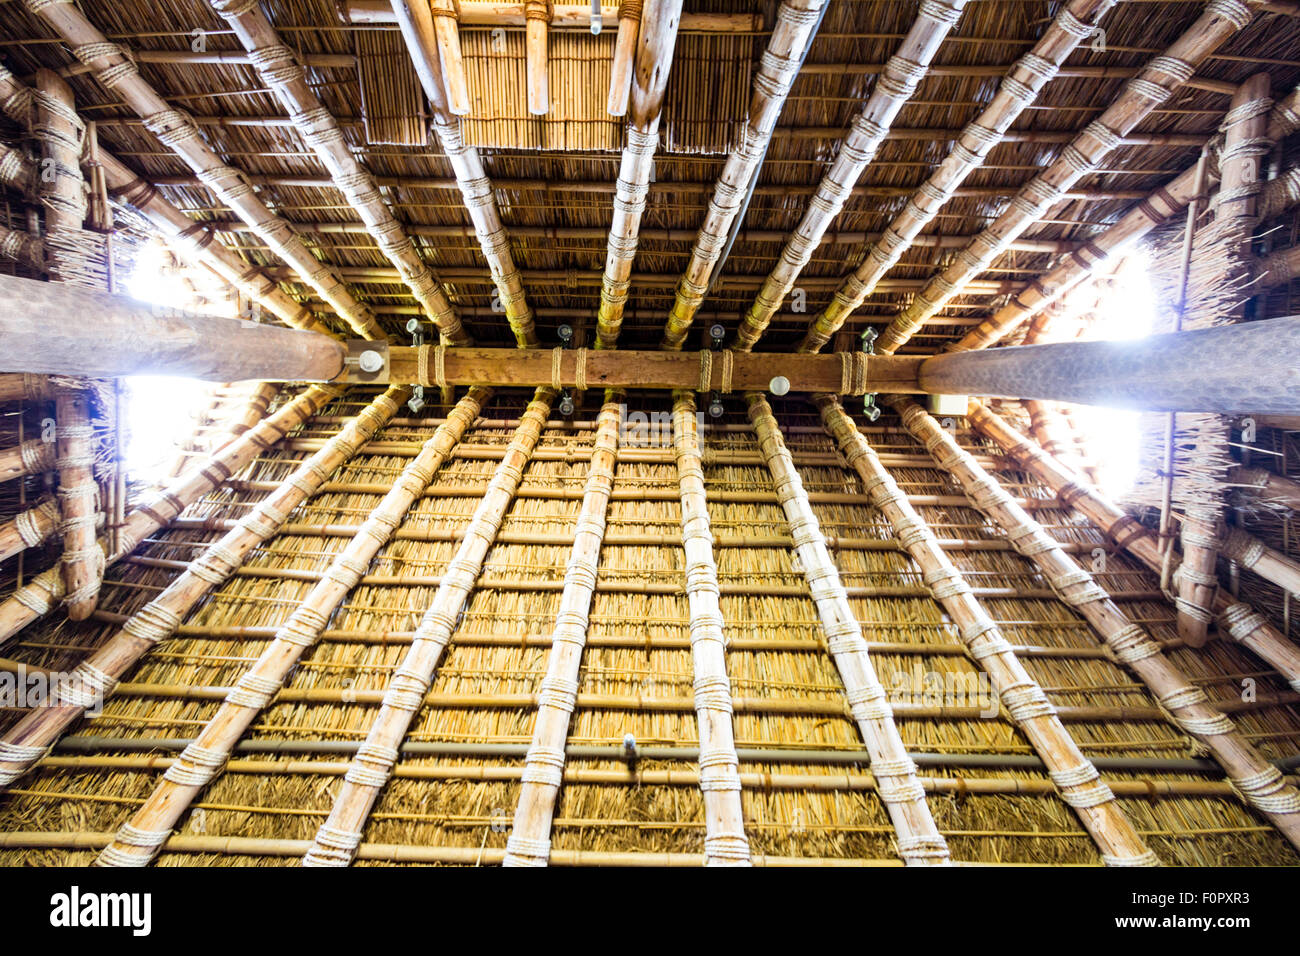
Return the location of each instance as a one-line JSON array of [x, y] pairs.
[[366, 361]]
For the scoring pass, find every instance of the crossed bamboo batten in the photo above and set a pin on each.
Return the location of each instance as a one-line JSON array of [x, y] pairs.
[[40, 595], [1076, 778], [892, 89], [1159, 78], [792, 35], [529, 843], [139, 841], [1019, 89], [918, 839], [338, 838], [31, 457], [654, 57], [177, 131], [1239, 620], [279, 68], [29, 528], [1259, 782]]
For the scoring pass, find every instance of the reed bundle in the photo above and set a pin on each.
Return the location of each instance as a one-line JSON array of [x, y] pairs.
[[100, 672], [891, 90], [796, 25], [391, 99], [1159, 78], [529, 843], [1259, 782], [919, 842], [39, 596], [1074, 22]]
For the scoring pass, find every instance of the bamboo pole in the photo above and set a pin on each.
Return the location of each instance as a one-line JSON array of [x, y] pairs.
[[654, 58], [1159, 78], [416, 22], [1238, 620], [561, 16], [97, 676], [529, 843], [23, 248], [29, 528], [32, 457], [200, 763], [725, 843], [536, 24], [176, 130], [1270, 488], [1078, 782], [1188, 708], [796, 25], [1074, 22], [891, 90], [919, 841], [17, 170], [338, 838], [24, 387], [620, 71], [259, 403], [1254, 555], [279, 68], [40, 595], [449, 54]]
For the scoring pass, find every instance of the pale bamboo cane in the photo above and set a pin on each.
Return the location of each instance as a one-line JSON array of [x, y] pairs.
[[40, 595], [1073, 24], [177, 130], [32, 457], [725, 843], [97, 676], [338, 838], [529, 843], [1260, 784], [29, 529], [138, 841], [1238, 620], [1159, 78], [281, 71], [796, 22], [1254, 555], [919, 840], [620, 72], [654, 58], [1075, 777], [537, 22], [893, 88]]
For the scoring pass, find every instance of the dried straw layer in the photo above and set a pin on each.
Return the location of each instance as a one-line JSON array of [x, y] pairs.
[[1077, 778], [1188, 707]]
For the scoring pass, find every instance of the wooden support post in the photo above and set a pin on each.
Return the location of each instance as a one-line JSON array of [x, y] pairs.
[[891, 90], [97, 676], [529, 843], [620, 72], [725, 843], [919, 840], [654, 57], [201, 762], [1073, 23], [40, 595], [1075, 777], [1259, 782], [537, 22], [338, 838]]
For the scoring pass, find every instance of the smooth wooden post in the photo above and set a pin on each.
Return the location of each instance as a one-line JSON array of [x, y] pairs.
[[529, 843], [338, 838], [447, 31], [138, 841], [1077, 780], [1259, 782], [97, 675], [537, 23], [620, 72], [919, 840]]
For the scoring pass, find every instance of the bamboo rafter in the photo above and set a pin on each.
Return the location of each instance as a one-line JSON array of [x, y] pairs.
[[40, 595], [935, 19], [796, 25], [1075, 22], [1159, 78], [1272, 488], [338, 838], [654, 58], [279, 68], [529, 843], [22, 247], [177, 131], [32, 457], [97, 676], [919, 840], [138, 841], [1239, 620], [29, 528], [1188, 708], [1077, 780]]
